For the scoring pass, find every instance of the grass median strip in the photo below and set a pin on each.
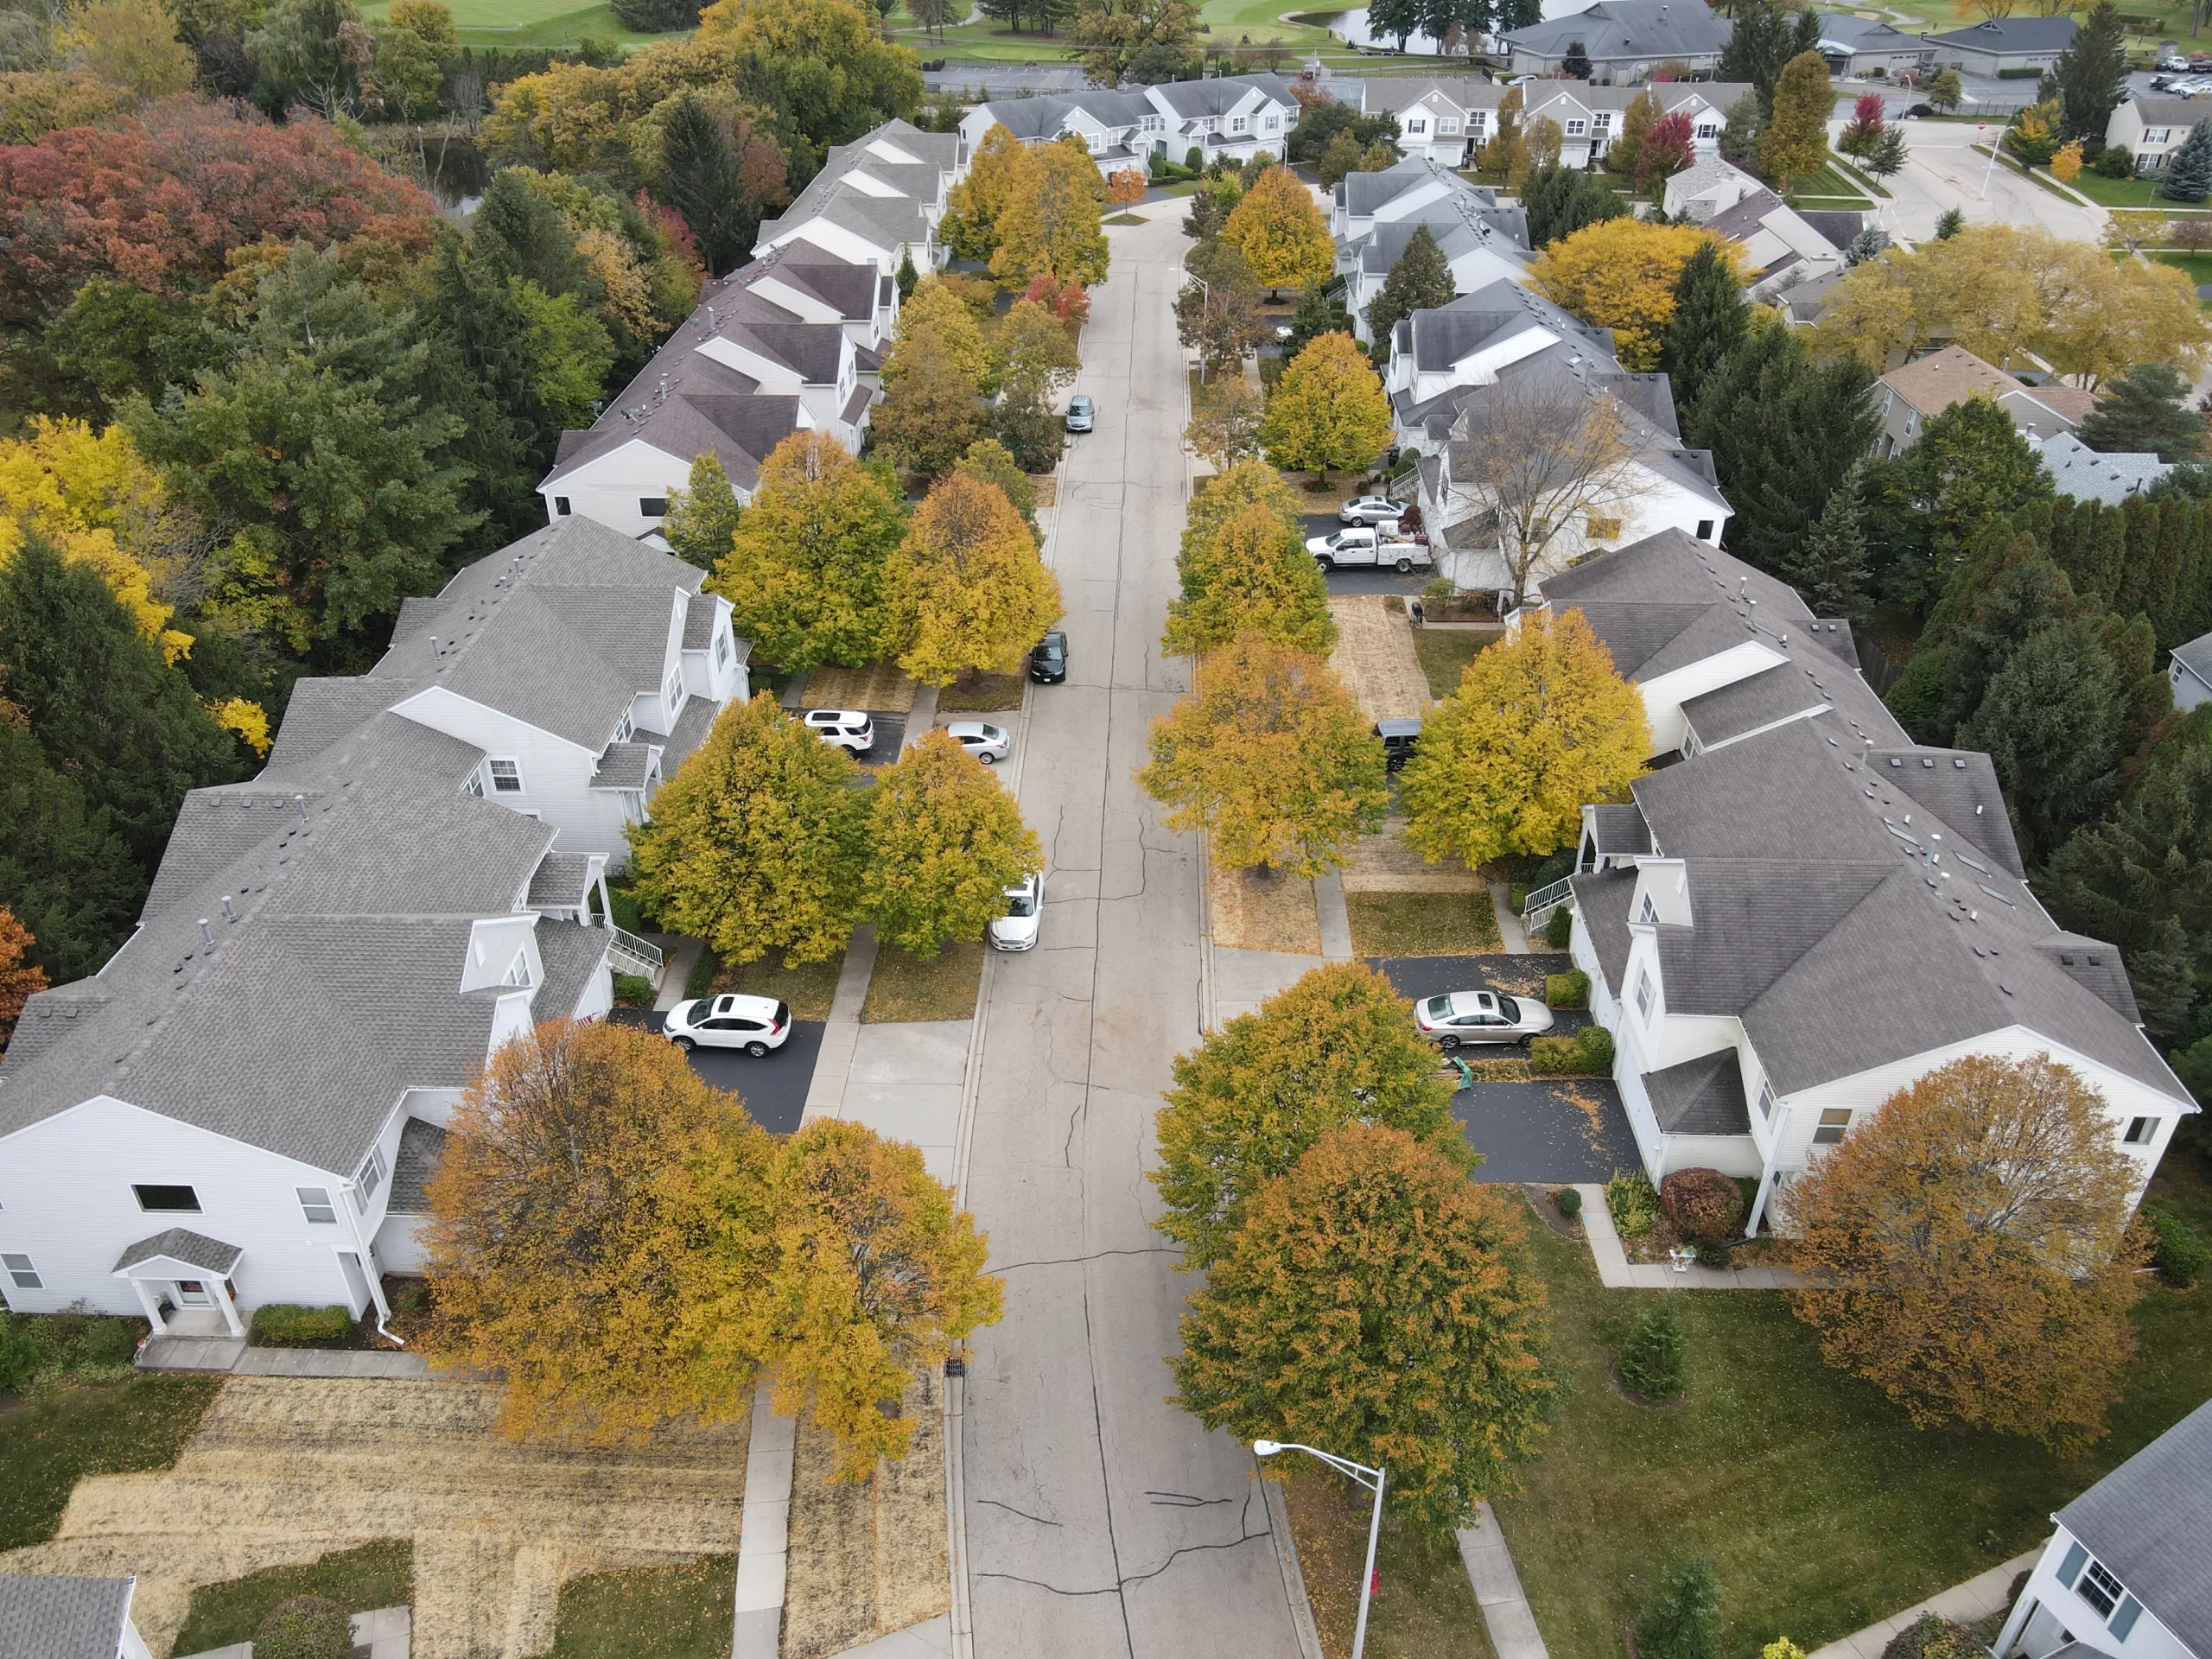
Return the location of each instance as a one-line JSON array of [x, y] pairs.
[[905, 988], [112, 1428], [1423, 1607]]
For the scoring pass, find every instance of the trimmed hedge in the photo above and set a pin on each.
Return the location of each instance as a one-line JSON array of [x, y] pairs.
[[633, 991], [1569, 990], [288, 1324], [1631, 1203], [1704, 1203], [2179, 1254], [1589, 1054]]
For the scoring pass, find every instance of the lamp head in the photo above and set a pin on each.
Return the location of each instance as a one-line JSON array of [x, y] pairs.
[[1266, 1448]]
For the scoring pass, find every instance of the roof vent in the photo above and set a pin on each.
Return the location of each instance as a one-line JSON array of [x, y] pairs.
[[2065, 959], [1926, 762], [1895, 761], [1958, 761], [301, 801], [206, 933], [230, 909]]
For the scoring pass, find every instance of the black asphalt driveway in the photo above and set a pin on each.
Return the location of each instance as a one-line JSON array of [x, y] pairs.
[[1418, 977], [774, 1089], [1363, 581], [890, 731], [1552, 1129]]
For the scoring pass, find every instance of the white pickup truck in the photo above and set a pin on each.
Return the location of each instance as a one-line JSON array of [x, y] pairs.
[[1359, 545]]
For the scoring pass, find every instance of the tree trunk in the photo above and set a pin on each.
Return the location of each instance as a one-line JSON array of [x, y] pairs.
[[1262, 877]]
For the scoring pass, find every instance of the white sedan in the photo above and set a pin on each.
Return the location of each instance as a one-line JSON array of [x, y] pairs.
[[755, 1024], [987, 743], [1370, 509], [1025, 912], [849, 730], [1468, 1017]]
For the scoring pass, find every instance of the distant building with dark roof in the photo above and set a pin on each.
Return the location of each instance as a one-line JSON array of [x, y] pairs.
[[2128, 1572], [1803, 909], [1224, 117], [1998, 44], [1623, 40]]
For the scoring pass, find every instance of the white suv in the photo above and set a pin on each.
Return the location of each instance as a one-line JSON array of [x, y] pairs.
[[848, 729], [755, 1024]]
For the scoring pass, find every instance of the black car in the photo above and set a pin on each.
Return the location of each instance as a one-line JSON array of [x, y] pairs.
[[1398, 738], [1048, 662]]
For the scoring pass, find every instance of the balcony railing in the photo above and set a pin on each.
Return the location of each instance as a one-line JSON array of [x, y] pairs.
[[1537, 907], [632, 955]]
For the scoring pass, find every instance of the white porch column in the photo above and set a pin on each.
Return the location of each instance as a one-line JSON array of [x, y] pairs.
[[221, 1286], [148, 1300]]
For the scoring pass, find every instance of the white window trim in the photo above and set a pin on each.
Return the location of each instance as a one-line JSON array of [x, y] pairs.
[[22, 1272], [1647, 996], [370, 1178], [322, 1201], [492, 763]]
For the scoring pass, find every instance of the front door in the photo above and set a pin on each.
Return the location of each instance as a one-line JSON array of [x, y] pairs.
[[192, 1293]]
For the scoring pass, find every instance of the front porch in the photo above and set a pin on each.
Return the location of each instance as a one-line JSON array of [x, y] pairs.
[[182, 1279]]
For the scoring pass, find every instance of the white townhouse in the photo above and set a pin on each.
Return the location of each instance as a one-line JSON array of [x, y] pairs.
[[2123, 1575], [1623, 40], [1781, 247], [875, 199], [1375, 214], [57, 1617], [1227, 117], [2152, 128], [1446, 121], [1449, 365], [793, 341], [1437, 117], [1808, 910], [582, 668]]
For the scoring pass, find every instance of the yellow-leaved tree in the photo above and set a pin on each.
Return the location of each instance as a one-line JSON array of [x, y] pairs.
[[1540, 724], [1253, 575], [1279, 229], [967, 588], [1001, 166], [1050, 225], [1270, 756], [1216, 501], [95, 498], [1329, 412], [1620, 274], [945, 842], [938, 313], [756, 844]]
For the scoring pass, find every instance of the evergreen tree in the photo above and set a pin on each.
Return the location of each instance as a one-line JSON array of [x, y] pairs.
[[1575, 66], [518, 232], [1419, 281], [2149, 862], [2145, 410], [478, 370], [2163, 979], [66, 875], [1952, 221], [701, 527], [1561, 201], [2189, 175], [2092, 72], [1746, 132], [1683, 1620], [1651, 1361], [1829, 567], [699, 179], [1765, 38], [1320, 311], [1709, 321], [1797, 142], [1889, 155], [2051, 721], [908, 279], [106, 708]]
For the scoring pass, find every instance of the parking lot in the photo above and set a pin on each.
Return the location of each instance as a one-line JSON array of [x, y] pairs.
[[774, 1089]]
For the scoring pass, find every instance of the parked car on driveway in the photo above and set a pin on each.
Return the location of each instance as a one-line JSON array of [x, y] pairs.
[[755, 1024], [1362, 547], [1465, 1018], [1048, 662], [1376, 509], [1082, 413], [1025, 912], [988, 744], [1399, 739], [847, 728]]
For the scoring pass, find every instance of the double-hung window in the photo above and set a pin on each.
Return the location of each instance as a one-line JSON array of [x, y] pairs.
[[673, 691], [2097, 1584], [315, 1205], [1645, 996], [370, 1178], [1834, 1122], [20, 1273], [506, 777]]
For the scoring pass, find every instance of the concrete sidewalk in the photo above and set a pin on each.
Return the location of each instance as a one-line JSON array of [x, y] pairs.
[[220, 1354], [1497, 1583], [1617, 1271], [1977, 1598]]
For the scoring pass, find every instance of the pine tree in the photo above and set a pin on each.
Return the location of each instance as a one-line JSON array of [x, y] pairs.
[[1651, 1361], [908, 277], [2092, 72], [2189, 175], [1709, 321], [1952, 221], [1746, 132], [66, 875], [1683, 1620], [1561, 201], [2163, 979], [1829, 568], [2051, 720], [1419, 281], [700, 180], [2146, 410]]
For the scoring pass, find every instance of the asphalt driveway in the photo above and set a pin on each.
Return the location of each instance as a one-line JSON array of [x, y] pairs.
[[774, 1089], [1519, 975], [890, 731], [1551, 1129], [1383, 581]]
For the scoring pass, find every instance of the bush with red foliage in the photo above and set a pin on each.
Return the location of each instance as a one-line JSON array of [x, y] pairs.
[[1070, 301], [1706, 1205], [158, 200]]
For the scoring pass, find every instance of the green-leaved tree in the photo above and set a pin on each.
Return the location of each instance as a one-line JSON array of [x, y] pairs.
[[945, 842]]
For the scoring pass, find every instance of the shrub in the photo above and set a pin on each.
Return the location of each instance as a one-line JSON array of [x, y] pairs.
[[18, 1354], [1631, 1203], [2179, 1254], [1703, 1203], [1783, 1648], [1683, 1621], [1712, 1252], [287, 1325], [1569, 1202], [1933, 1637], [1650, 1361], [1439, 591], [1194, 160], [1569, 990], [304, 1627], [2116, 162], [1588, 1054], [702, 973], [108, 1343], [633, 991], [1559, 933]]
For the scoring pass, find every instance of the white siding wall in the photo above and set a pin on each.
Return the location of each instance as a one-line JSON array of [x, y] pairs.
[[556, 774], [2059, 1613], [1665, 694], [66, 1202], [607, 491]]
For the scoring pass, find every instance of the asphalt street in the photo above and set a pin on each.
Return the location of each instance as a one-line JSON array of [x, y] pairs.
[[1099, 1519]]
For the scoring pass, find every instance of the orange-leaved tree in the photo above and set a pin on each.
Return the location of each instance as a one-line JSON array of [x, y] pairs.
[[1126, 188], [1966, 1248], [19, 981]]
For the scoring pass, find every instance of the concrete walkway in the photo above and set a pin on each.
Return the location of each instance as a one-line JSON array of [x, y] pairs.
[[1335, 918], [764, 1531], [1617, 1271], [219, 1354], [1515, 936], [1497, 1581], [681, 956], [1977, 1598]]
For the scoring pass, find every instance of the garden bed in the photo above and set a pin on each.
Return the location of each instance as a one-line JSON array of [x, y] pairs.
[[905, 988]]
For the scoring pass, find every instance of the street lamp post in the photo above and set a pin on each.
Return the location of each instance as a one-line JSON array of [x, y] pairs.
[[1206, 310], [1370, 1478]]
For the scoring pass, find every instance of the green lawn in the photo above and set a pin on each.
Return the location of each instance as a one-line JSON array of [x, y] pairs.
[[111, 1428], [530, 23], [359, 1580], [2197, 265], [1823, 1509], [655, 1612], [1425, 1608], [1446, 652], [905, 988], [808, 989], [1421, 924], [1827, 190]]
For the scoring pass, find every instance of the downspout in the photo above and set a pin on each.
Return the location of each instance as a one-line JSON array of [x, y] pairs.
[[366, 1256]]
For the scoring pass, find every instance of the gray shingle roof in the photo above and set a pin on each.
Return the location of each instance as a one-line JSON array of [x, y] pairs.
[[320, 711], [623, 766], [1615, 29], [689, 732], [571, 953], [182, 1244], [2150, 1522], [2182, 112], [699, 621], [2012, 34], [422, 1145], [850, 288], [1780, 693], [2087, 474], [560, 881], [1701, 1096], [2196, 656], [1619, 828], [709, 408], [50, 1616]]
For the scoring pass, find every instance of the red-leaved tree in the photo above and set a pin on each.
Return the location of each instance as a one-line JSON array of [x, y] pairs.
[[1669, 147], [159, 200]]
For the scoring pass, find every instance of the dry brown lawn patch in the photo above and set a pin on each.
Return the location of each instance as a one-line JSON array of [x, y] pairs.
[[1243, 917], [1382, 862], [985, 694], [1047, 486], [867, 1557], [1421, 924], [882, 688], [1375, 658], [284, 1470]]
